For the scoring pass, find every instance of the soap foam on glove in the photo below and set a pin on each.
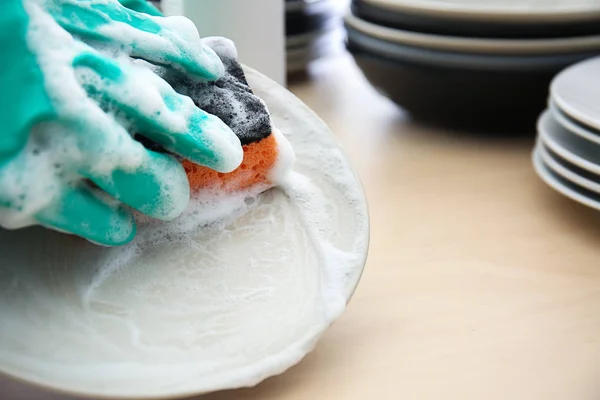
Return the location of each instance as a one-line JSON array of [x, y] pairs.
[[216, 197], [268, 156], [78, 170]]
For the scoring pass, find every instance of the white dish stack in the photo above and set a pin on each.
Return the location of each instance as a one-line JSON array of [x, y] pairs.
[[567, 152]]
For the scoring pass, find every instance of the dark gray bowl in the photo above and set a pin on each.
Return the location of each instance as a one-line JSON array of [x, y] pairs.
[[458, 90], [473, 28], [303, 17]]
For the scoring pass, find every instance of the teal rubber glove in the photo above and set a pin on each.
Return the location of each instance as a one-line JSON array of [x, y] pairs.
[[75, 83], [141, 6]]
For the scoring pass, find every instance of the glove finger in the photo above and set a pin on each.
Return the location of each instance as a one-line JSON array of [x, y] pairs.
[[158, 187], [142, 6], [159, 113], [83, 212], [172, 41], [152, 183]]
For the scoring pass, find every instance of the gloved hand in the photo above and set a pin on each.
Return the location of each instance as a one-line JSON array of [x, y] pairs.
[[68, 159]]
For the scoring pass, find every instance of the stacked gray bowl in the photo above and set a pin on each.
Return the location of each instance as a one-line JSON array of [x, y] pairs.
[[312, 31], [480, 64]]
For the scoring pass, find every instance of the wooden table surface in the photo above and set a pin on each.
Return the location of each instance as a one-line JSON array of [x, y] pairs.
[[481, 282]]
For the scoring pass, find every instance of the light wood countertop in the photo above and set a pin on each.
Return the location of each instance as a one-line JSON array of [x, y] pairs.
[[481, 282]]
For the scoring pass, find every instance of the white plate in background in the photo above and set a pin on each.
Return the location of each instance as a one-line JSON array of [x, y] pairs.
[[576, 91], [561, 167], [576, 150], [562, 186], [571, 125]]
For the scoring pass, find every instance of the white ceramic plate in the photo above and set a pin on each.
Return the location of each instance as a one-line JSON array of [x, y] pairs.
[[569, 172], [224, 310], [576, 150], [563, 186], [572, 125], [576, 91], [476, 45], [509, 10]]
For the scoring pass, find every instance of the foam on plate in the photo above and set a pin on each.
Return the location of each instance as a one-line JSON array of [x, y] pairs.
[[212, 210]]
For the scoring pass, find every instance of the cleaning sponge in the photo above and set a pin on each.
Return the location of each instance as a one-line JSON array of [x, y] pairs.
[[267, 153]]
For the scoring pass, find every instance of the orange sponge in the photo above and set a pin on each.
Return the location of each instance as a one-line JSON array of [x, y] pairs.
[[259, 159]]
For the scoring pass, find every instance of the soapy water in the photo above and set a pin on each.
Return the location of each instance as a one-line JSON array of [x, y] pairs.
[[205, 214], [207, 211]]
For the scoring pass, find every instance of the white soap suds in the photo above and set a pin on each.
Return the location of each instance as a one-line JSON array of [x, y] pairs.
[[223, 46], [206, 212], [89, 142], [286, 157]]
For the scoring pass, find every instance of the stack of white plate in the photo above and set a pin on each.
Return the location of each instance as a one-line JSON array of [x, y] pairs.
[[312, 31], [463, 61], [567, 152]]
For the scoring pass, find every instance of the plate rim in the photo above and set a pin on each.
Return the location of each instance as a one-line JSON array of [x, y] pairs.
[[563, 119], [546, 176], [565, 173], [481, 45], [396, 52], [444, 10], [564, 105], [568, 155]]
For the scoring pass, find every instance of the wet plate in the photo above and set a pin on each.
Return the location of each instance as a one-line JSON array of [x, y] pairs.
[[240, 302]]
